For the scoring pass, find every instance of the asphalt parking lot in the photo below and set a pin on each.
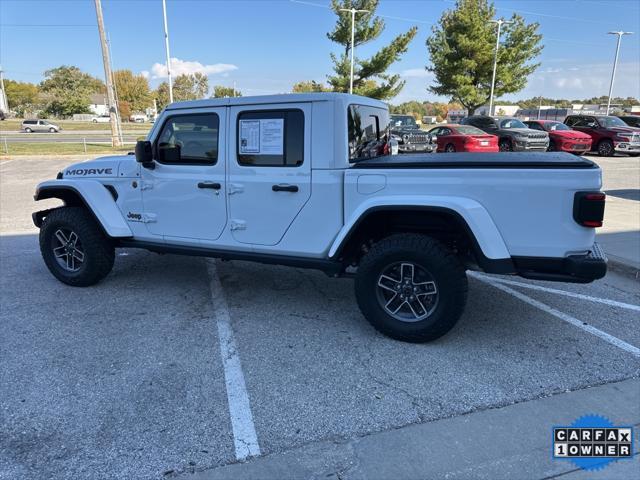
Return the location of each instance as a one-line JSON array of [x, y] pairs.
[[175, 365]]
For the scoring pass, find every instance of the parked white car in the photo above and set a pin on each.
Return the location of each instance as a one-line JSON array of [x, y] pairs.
[[29, 126], [305, 180], [101, 119], [138, 118]]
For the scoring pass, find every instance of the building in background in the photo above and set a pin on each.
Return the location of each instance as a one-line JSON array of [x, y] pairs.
[[98, 105]]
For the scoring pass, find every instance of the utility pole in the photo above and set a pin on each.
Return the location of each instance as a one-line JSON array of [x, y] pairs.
[[111, 97], [166, 46], [615, 64], [495, 61], [353, 12], [4, 102]]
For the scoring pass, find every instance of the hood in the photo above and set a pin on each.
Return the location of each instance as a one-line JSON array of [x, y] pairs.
[[570, 134], [625, 129], [103, 167], [529, 132]]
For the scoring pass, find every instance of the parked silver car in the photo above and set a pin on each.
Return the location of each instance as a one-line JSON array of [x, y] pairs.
[[29, 126]]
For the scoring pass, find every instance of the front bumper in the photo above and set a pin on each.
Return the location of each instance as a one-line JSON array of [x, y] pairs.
[[530, 147], [417, 148], [575, 147], [627, 147], [574, 268]]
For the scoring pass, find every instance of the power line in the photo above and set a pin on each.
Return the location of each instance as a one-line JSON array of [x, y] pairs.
[[390, 17]]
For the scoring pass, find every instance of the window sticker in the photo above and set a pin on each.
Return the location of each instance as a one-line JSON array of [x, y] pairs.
[[262, 137]]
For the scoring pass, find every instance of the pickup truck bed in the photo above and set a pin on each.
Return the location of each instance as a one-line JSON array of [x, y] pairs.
[[510, 160]]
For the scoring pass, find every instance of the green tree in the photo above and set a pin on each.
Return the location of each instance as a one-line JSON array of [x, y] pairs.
[[133, 92], [462, 49], [309, 86], [190, 87], [220, 91], [161, 95], [20, 94], [68, 90], [369, 75]]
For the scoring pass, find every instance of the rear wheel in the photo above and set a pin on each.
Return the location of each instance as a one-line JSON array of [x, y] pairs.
[[450, 148], [52, 130], [74, 248], [411, 288], [605, 148], [505, 145], [28, 130]]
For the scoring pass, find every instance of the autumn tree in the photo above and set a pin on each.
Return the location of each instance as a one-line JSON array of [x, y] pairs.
[[370, 77], [22, 96], [309, 86], [190, 87], [133, 92], [161, 96], [462, 47], [220, 91], [69, 90]]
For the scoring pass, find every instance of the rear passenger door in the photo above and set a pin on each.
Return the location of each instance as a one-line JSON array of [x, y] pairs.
[[269, 176]]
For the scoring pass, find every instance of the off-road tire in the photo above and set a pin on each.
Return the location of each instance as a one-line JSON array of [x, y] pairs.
[[429, 254], [552, 146], [605, 148], [99, 252]]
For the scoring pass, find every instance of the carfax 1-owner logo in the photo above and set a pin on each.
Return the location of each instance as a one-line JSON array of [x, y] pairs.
[[592, 442]]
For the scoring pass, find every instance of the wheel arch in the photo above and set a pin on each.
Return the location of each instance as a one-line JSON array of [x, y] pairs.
[[92, 195], [474, 232]]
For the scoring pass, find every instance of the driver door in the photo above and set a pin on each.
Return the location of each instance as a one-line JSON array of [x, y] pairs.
[[184, 195]]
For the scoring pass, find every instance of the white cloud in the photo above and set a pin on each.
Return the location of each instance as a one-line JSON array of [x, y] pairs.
[[180, 67], [145, 74], [415, 73]]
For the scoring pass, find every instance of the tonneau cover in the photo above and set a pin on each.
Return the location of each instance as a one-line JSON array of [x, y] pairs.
[[510, 160]]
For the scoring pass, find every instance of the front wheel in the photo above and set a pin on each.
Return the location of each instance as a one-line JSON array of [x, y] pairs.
[[605, 148], [52, 130], [411, 288], [27, 130], [74, 248], [552, 146], [450, 148]]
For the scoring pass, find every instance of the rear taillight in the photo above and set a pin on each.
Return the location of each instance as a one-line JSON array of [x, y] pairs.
[[588, 208]]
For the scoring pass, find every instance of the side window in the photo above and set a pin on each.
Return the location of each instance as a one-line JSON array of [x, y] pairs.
[[535, 126], [368, 129], [444, 131], [572, 122], [190, 139], [270, 138], [436, 131]]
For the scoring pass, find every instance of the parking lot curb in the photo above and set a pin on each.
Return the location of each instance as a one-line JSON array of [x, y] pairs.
[[623, 268], [507, 442]]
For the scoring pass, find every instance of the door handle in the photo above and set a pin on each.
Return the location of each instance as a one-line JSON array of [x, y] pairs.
[[211, 185], [284, 188]]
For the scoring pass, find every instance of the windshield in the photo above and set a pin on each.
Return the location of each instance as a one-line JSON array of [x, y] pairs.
[[553, 126], [608, 122], [403, 121], [469, 130], [512, 123]]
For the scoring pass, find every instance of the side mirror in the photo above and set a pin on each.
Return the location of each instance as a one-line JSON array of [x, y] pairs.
[[144, 154]]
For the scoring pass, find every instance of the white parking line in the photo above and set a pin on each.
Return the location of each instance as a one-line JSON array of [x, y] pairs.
[[635, 351], [540, 288], [244, 433], [5, 162]]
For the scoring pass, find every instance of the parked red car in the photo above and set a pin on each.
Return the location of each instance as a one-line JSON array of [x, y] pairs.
[[464, 138], [561, 137]]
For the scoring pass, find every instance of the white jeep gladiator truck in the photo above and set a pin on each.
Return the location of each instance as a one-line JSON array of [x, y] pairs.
[[305, 180]]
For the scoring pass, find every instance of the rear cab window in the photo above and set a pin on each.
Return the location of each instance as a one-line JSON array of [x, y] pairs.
[[270, 138], [368, 132]]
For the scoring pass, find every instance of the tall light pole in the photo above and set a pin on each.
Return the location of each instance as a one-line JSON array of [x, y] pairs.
[[615, 64], [166, 46], [495, 61], [108, 74], [353, 46]]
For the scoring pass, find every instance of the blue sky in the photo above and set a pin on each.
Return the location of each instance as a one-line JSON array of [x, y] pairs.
[[265, 46]]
